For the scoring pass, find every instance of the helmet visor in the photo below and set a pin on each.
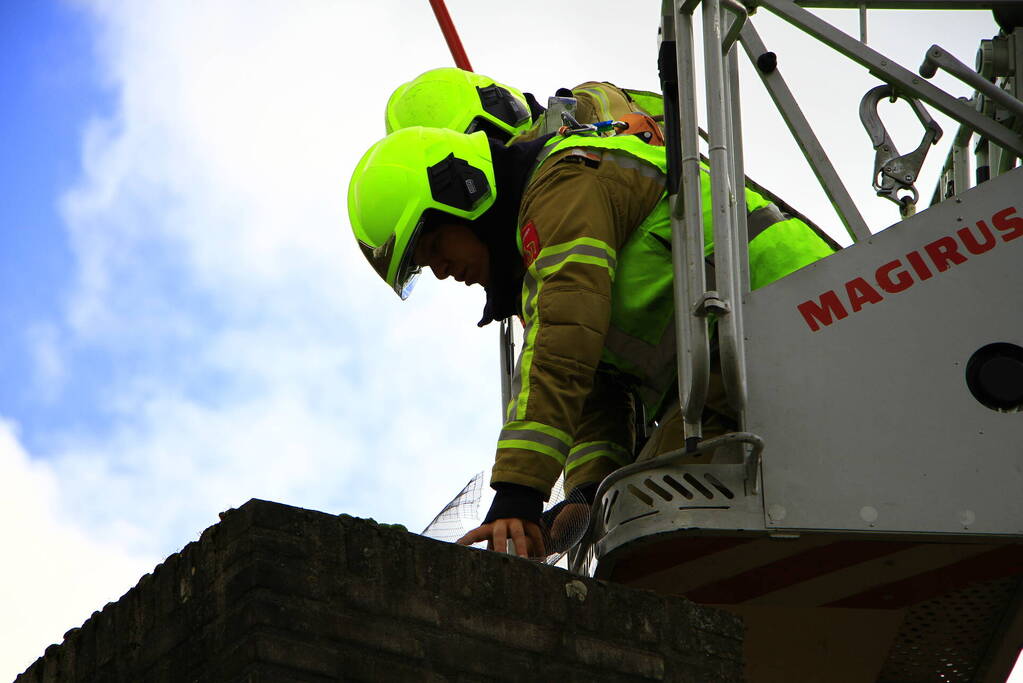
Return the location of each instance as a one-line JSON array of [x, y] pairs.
[[489, 127], [382, 257]]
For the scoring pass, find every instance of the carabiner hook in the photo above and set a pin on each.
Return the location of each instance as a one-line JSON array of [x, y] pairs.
[[895, 173]]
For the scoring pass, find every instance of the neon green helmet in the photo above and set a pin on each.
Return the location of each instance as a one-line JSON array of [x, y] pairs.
[[408, 173], [458, 100]]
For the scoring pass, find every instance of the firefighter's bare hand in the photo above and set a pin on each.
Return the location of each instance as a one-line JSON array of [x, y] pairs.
[[526, 535]]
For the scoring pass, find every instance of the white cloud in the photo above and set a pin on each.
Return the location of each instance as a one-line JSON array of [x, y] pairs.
[[54, 574]]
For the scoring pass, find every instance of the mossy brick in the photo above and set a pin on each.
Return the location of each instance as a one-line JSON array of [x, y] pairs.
[[356, 665], [165, 588], [67, 657], [275, 575], [85, 646], [449, 653], [51, 664], [508, 632], [373, 554], [607, 656], [376, 597], [323, 622], [232, 662], [283, 518], [460, 574], [278, 648]]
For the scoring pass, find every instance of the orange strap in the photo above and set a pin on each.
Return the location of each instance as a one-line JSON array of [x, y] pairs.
[[643, 126]]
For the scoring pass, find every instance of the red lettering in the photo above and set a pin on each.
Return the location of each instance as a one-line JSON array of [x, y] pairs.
[[917, 261], [971, 243], [893, 277], [902, 282], [816, 314], [860, 292], [1011, 228], [943, 252]]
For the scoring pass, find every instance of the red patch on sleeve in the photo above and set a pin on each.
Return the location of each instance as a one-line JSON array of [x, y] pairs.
[[530, 244]]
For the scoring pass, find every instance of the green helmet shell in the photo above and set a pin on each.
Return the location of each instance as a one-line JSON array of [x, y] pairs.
[[458, 100], [407, 173]]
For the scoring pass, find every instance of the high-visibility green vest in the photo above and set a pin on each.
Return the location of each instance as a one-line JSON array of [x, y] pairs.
[[641, 339]]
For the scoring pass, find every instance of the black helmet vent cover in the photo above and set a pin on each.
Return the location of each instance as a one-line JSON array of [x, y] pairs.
[[502, 105], [456, 183]]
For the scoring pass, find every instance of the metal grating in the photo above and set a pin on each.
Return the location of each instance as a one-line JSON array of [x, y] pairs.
[[944, 640]]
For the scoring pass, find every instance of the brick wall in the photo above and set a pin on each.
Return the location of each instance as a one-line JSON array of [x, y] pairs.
[[277, 593]]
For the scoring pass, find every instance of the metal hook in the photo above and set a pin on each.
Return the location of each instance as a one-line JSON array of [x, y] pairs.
[[895, 173]]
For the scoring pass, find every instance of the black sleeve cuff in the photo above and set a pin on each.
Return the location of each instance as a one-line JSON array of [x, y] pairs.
[[587, 492], [515, 500]]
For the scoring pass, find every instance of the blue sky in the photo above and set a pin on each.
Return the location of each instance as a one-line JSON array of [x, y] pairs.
[[52, 87], [186, 322]]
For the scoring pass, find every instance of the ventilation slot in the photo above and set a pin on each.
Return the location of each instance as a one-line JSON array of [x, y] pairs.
[[641, 495], [609, 505], [716, 483], [696, 484], [670, 481], [650, 484]]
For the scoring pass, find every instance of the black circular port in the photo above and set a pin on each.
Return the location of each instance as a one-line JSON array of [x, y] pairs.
[[994, 375]]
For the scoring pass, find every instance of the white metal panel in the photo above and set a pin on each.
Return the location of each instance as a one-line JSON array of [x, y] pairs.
[[868, 422]]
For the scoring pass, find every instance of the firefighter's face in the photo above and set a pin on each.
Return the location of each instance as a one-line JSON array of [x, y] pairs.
[[452, 249]]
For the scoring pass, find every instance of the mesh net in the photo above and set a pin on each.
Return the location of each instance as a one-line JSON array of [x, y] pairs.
[[563, 522]]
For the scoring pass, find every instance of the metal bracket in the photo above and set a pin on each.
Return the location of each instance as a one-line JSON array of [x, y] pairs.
[[711, 304], [741, 14], [556, 106], [895, 173]]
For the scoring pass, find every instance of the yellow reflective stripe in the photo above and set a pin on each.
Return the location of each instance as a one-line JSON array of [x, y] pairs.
[[583, 250], [531, 291], [537, 431], [591, 450], [533, 446]]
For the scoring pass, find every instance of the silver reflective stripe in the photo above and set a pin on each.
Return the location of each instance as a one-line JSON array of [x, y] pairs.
[[592, 448], [632, 163], [583, 249], [656, 363], [531, 285], [759, 220], [516, 388], [536, 437]]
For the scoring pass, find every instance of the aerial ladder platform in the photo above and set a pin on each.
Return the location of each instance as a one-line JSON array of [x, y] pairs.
[[867, 518]]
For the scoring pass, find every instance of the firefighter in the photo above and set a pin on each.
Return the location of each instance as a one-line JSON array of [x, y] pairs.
[[574, 235]]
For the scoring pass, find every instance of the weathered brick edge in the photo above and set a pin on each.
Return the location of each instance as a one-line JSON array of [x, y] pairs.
[[277, 593]]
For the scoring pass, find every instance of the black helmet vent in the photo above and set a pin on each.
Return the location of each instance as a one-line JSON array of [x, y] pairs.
[[502, 105], [456, 183]]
